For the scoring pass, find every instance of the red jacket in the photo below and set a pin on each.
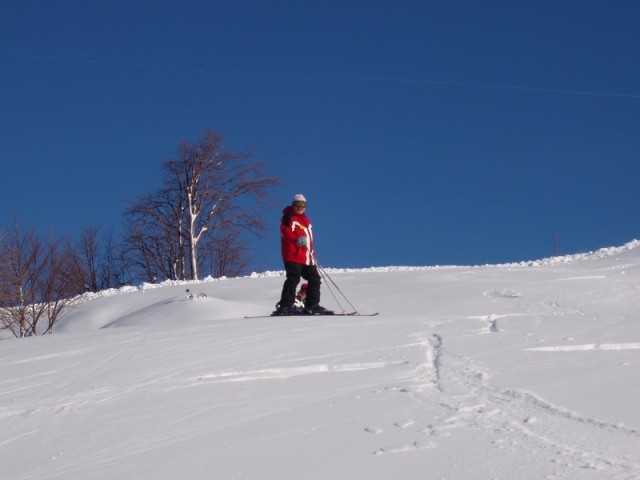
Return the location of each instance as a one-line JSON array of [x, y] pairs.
[[292, 227]]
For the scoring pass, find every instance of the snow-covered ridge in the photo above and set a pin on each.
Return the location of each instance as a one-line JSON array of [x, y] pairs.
[[550, 261], [560, 260], [567, 259]]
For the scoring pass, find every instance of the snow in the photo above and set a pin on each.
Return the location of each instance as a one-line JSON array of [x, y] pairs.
[[519, 371]]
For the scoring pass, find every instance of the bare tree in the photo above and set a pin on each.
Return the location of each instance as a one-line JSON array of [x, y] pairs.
[[215, 180], [226, 256], [88, 249], [102, 260], [154, 233], [208, 193], [38, 281], [63, 282], [23, 256], [113, 269]]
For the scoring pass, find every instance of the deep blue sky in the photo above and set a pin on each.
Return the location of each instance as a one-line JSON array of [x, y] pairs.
[[422, 132]]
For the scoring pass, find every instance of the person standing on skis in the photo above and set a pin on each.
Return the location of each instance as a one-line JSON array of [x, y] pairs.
[[296, 237]]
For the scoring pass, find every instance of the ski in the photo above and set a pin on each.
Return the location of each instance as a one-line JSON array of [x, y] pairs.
[[334, 314], [357, 314]]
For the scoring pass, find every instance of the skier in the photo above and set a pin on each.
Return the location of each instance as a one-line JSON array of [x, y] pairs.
[[296, 238]]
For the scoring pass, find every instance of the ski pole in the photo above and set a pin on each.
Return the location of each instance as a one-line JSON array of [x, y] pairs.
[[326, 276], [326, 282]]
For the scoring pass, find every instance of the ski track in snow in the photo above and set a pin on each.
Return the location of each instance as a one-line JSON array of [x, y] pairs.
[[284, 373], [587, 347], [517, 421]]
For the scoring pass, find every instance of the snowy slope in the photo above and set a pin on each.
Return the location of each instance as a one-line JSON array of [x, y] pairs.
[[524, 371]]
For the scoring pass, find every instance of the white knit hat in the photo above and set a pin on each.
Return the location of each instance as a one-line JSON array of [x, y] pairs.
[[299, 198]]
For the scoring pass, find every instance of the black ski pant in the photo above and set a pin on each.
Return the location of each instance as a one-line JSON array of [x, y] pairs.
[[294, 272]]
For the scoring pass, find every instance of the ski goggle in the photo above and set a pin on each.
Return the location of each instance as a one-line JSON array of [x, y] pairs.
[[300, 204]]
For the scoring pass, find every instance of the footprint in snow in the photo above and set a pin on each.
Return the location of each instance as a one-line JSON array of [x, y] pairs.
[[404, 423], [406, 447], [375, 431]]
